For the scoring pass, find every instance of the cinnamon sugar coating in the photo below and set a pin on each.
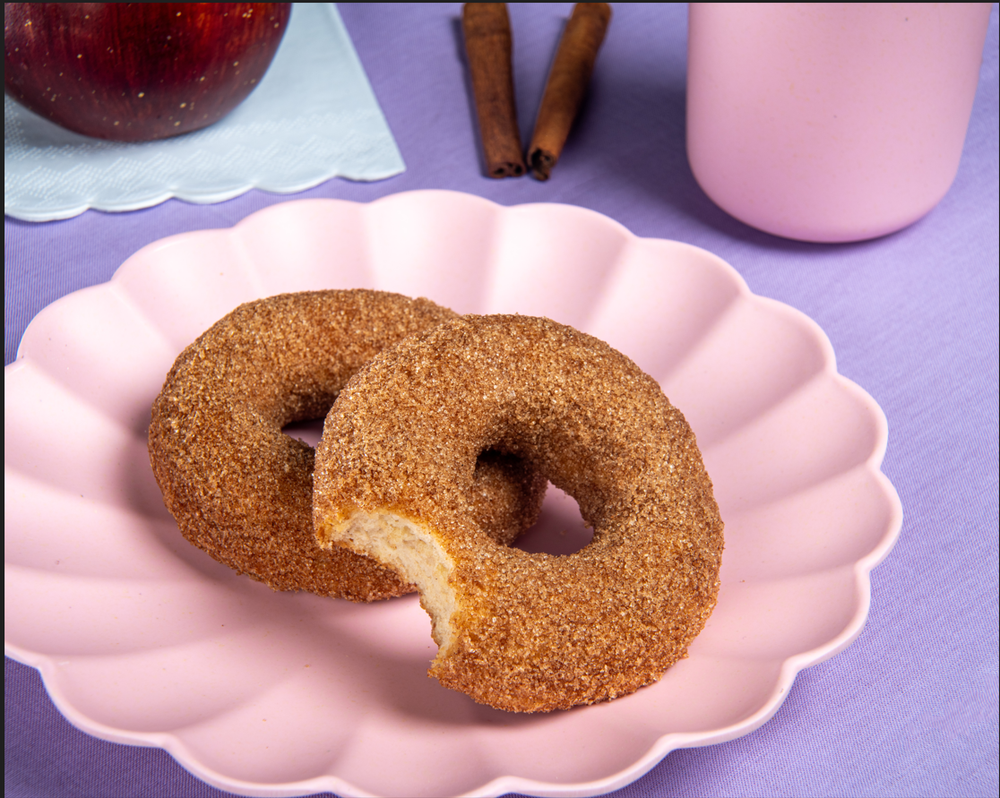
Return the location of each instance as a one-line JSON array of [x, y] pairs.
[[240, 489], [520, 631]]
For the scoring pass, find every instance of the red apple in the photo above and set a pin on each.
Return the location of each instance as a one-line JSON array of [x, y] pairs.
[[137, 71]]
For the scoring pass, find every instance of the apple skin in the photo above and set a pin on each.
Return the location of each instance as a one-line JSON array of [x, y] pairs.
[[138, 71]]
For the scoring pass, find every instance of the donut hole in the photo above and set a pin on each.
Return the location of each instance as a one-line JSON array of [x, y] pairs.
[[560, 528], [309, 432]]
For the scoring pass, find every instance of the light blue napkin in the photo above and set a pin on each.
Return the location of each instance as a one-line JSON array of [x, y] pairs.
[[313, 117]]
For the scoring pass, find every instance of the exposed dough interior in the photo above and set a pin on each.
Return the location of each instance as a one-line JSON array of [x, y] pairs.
[[410, 550]]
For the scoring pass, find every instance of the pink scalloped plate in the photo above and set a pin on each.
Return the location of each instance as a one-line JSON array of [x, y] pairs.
[[143, 639]]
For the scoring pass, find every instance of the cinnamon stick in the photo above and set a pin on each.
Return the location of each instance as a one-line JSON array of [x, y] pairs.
[[486, 27], [567, 84]]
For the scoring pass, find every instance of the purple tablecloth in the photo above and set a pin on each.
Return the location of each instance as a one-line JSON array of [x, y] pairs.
[[910, 709]]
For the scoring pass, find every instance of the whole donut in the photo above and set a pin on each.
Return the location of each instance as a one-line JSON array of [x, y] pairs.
[[515, 630], [240, 489]]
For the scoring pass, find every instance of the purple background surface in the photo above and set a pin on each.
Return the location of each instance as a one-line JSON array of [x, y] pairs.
[[910, 709]]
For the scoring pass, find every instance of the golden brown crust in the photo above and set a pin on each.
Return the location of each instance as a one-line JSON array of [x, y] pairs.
[[241, 489], [534, 632]]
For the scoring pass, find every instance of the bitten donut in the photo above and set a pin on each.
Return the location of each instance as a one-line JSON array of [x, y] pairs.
[[520, 631], [241, 489]]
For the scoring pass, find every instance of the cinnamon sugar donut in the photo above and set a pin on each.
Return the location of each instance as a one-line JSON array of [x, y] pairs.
[[241, 490], [520, 631]]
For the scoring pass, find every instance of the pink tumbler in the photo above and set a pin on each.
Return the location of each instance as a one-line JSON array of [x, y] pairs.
[[830, 121]]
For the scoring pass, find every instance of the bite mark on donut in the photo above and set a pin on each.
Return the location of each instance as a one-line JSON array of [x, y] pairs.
[[409, 549]]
